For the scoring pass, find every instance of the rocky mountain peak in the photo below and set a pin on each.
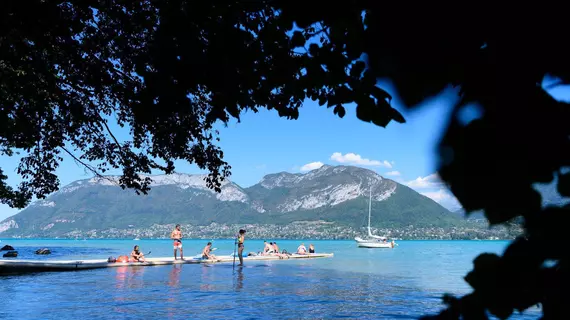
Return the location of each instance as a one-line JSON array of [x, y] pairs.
[[325, 186], [331, 193], [287, 179], [230, 190]]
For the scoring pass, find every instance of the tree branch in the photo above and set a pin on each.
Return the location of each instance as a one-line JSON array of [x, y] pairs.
[[112, 136], [88, 166]]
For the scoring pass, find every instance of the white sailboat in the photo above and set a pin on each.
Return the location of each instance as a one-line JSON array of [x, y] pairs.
[[373, 241]]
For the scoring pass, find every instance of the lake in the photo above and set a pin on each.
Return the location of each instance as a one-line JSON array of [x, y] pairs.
[[357, 283]]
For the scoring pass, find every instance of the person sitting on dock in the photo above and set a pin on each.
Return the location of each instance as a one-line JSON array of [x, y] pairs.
[[302, 249], [311, 248], [137, 255], [268, 248], [276, 252], [207, 252]]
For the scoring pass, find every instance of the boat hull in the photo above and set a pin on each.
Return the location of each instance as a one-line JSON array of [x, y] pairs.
[[374, 245]]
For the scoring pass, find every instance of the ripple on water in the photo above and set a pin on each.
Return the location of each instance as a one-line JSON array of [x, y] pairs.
[[396, 284]]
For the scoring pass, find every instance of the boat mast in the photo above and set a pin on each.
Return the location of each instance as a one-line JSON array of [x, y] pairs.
[[369, 210]]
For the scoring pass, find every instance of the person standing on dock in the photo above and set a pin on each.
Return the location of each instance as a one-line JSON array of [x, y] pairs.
[[176, 235], [241, 239]]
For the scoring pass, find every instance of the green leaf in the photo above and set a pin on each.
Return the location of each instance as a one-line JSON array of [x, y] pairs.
[[357, 69], [397, 116], [482, 276], [381, 119], [339, 110], [364, 109], [381, 94], [368, 80], [314, 49]]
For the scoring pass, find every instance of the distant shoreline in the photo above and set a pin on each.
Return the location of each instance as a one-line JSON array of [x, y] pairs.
[[230, 239]]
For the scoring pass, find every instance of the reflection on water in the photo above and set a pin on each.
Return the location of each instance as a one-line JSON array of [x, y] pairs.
[[172, 297], [121, 276], [129, 277], [360, 284], [207, 278], [239, 283], [174, 275]]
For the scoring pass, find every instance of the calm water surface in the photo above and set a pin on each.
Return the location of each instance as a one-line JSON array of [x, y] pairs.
[[403, 283]]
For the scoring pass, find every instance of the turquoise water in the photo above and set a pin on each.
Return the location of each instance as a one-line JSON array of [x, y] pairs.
[[403, 283]]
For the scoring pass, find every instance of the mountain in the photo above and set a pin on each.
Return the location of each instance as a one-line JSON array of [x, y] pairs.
[[548, 192], [475, 215], [336, 194]]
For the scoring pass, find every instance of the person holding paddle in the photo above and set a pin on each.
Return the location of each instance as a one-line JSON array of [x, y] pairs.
[[137, 255], [240, 240], [176, 235]]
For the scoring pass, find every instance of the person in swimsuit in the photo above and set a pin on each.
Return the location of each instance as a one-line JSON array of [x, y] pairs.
[[302, 249], [176, 235], [137, 255], [206, 253], [267, 248], [240, 240], [311, 248], [276, 252]]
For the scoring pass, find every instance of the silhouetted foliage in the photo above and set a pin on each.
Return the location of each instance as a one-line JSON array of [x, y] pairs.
[[498, 60], [171, 69]]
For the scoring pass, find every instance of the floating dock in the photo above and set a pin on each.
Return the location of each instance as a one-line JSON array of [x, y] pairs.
[[11, 266]]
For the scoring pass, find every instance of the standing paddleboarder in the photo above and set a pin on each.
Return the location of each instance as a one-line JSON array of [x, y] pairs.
[[241, 239], [176, 235]]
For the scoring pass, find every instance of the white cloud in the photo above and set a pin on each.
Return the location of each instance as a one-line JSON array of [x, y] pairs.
[[312, 166], [445, 198], [438, 196], [356, 159], [431, 181], [393, 173]]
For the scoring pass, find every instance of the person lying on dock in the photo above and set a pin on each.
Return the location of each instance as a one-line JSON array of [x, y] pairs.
[[302, 249], [137, 255], [207, 253]]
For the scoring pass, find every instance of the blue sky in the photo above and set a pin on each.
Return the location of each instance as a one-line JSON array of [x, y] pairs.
[[263, 143]]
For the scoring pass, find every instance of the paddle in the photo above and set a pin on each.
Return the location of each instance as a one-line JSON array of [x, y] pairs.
[[235, 252], [145, 257]]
